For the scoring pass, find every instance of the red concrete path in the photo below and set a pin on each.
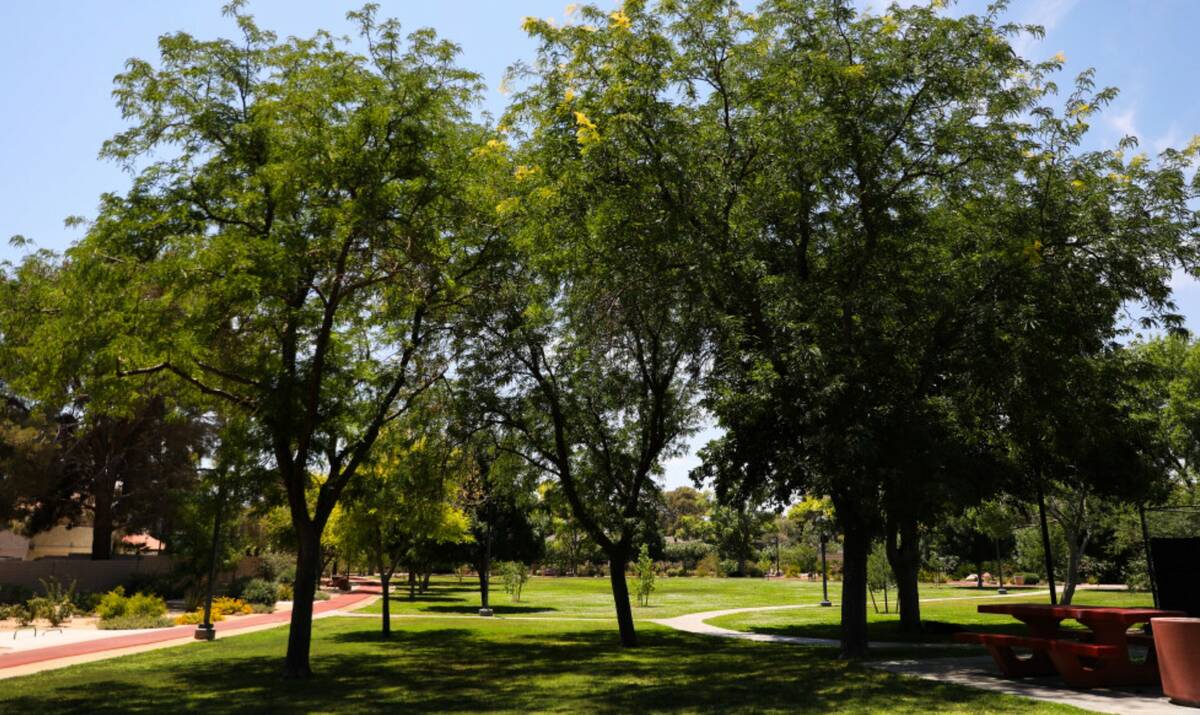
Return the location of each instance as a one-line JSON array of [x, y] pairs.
[[159, 635]]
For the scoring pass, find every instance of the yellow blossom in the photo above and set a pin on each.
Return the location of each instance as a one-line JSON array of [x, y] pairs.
[[1193, 146], [493, 146], [1078, 185], [569, 95], [1033, 251], [1060, 58], [937, 4], [529, 23], [889, 25], [1138, 161], [1081, 110], [572, 9], [620, 19], [507, 206], [586, 133], [1118, 178], [524, 172], [855, 71]]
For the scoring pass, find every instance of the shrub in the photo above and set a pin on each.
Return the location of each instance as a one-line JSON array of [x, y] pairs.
[[709, 565], [260, 591], [145, 604], [23, 614], [278, 567], [320, 596], [645, 574], [230, 606], [286, 592], [262, 607], [132, 621], [112, 604], [515, 575], [195, 618], [1031, 579]]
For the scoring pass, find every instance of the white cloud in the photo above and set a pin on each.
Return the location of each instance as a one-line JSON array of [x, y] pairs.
[[1047, 13], [1172, 138], [1123, 122]]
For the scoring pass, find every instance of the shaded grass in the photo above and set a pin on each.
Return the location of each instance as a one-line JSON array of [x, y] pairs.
[[946, 615], [490, 665]]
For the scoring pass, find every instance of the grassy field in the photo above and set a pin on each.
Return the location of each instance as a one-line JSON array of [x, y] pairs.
[[592, 597], [961, 611], [490, 665]]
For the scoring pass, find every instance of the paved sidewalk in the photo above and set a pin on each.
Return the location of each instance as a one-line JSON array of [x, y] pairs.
[[21, 662], [980, 672]]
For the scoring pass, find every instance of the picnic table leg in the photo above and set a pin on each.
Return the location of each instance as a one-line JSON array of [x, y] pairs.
[[1120, 670], [1011, 666]]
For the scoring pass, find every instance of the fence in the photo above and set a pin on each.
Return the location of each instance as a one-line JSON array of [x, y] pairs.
[[88, 575]]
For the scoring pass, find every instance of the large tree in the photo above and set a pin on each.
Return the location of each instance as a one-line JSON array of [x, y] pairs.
[[294, 243]]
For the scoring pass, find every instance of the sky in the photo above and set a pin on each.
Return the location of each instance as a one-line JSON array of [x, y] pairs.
[[58, 58]]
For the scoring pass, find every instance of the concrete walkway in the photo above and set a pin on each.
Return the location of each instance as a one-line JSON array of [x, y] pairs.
[[697, 623], [971, 671], [77, 650], [980, 672]]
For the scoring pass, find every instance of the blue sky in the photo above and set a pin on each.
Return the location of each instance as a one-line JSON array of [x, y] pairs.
[[58, 57]]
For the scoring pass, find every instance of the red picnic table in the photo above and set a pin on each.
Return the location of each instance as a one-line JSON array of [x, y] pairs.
[[1088, 659]]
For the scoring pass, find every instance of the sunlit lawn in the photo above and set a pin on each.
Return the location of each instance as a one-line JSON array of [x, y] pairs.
[[592, 597], [823, 622], [490, 665]]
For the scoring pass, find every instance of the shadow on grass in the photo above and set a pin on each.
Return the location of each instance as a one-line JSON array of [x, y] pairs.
[[499, 610], [466, 670]]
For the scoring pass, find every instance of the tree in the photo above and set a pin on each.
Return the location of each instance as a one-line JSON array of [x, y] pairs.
[[405, 501], [645, 574], [592, 357], [294, 245]]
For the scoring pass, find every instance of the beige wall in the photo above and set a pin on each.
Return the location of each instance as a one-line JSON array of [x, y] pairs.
[[88, 575], [61, 541], [13, 546]]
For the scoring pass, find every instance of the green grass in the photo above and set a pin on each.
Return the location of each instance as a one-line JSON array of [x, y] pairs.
[[592, 597], [490, 665], [823, 622]]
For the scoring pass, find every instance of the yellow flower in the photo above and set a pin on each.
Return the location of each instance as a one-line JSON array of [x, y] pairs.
[[620, 19], [937, 4], [1081, 110], [582, 120], [569, 95], [572, 9], [889, 25], [493, 146], [1060, 58], [1033, 251], [586, 133], [1193, 146], [855, 71], [524, 172], [529, 23], [1078, 185], [507, 206], [1137, 161], [1118, 178]]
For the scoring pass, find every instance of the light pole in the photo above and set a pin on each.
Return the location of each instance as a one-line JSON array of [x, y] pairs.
[[205, 631], [824, 566]]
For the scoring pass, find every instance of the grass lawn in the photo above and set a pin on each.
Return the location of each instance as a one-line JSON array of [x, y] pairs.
[[823, 622], [592, 597], [490, 665]]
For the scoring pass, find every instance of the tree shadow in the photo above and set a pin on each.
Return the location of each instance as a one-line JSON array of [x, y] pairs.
[[500, 610], [482, 670]]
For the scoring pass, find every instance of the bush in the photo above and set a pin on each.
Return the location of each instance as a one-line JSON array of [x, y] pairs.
[[231, 606], [286, 592], [261, 592], [645, 575], [709, 565], [1031, 579], [278, 567], [130, 622], [320, 596], [262, 607], [515, 575], [196, 617], [146, 604], [112, 604]]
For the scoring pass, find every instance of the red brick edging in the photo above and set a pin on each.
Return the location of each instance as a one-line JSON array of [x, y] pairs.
[[159, 635]]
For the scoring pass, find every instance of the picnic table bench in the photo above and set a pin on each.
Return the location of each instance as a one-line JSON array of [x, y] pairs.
[[1087, 659]]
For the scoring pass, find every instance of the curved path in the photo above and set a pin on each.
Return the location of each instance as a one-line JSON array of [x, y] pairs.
[[697, 623]]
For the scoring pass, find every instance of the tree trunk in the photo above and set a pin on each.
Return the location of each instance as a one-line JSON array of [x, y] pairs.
[[385, 578], [979, 573], [1075, 548], [1047, 553], [308, 563], [904, 556], [855, 547], [616, 565], [425, 582], [102, 518], [412, 583]]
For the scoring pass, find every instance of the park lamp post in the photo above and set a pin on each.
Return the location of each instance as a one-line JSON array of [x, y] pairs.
[[205, 631], [821, 524]]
